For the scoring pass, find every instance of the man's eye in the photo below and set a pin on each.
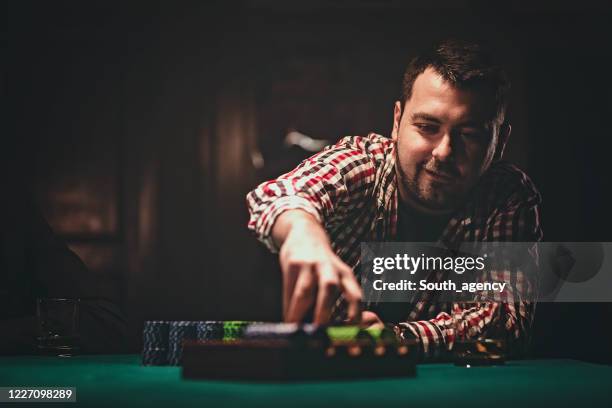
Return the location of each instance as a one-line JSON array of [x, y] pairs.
[[426, 128]]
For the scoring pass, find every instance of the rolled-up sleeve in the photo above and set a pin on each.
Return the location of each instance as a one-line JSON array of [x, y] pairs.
[[327, 185]]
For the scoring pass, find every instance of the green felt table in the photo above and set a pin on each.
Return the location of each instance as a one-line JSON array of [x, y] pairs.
[[121, 381]]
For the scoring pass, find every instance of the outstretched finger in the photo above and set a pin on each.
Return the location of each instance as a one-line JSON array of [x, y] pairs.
[[327, 292], [303, 295], [352, 293], [290, 276]]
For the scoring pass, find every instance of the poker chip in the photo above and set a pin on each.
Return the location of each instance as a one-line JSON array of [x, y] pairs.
[[271, 331], [163, 340], [234, 329], [342, 334], [156, 331], [179, 331], [383, 336], [155, 343], [209, 330], [298, 334]]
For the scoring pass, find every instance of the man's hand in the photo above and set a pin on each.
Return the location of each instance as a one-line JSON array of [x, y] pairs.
[[313, 275], [370, 320]]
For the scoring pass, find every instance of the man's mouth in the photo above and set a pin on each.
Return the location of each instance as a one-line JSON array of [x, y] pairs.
[[441, 177]]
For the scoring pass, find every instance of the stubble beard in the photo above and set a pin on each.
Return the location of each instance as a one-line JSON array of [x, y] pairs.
[[424, 193]]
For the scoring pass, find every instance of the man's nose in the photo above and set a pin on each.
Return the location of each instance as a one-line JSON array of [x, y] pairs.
[[443, 150]]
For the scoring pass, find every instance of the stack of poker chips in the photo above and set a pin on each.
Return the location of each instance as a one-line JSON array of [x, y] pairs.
[[356, 334], [163, 340], [268, 331], [234, 330], [179, 331], [277, 331], [155, 343], [332, 334], [344, 334], [355, 341], [298, 335], [209, 331]]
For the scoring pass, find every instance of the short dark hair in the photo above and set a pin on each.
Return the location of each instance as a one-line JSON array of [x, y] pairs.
[[465, 65]]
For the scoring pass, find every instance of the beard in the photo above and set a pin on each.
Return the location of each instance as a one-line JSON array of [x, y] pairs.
[[429, 193]]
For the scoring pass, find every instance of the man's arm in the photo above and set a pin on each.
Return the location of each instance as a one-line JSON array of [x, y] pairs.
[[293, 213], [313, 274]]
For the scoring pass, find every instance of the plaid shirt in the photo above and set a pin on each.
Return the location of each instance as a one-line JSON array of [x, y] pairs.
[[351, 188]]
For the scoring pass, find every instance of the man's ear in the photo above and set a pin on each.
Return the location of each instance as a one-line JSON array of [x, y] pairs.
[[397, 117], [504, 133]]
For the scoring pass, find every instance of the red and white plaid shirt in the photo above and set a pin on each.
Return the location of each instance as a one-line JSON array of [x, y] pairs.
[[351, 188]]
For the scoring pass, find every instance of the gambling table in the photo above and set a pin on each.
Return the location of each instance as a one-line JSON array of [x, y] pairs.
[[122, 381]]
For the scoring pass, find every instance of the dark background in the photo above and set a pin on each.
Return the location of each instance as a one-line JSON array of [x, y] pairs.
[[138, 125]]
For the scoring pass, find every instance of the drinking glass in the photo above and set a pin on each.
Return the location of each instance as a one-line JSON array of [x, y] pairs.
[[58, 326]]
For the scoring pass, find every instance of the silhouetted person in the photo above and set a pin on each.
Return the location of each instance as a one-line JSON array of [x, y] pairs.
[[34, 262]]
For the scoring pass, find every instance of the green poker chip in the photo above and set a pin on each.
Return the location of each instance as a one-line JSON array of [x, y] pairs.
[[342, 333], [234, 329], [382, 335]]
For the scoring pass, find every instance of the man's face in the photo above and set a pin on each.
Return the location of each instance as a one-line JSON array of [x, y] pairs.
[[445, 140]]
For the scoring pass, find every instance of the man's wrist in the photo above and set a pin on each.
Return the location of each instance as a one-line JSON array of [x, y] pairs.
[[297, 223]]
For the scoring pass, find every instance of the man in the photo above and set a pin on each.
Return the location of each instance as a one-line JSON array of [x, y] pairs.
[[439, 178]]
